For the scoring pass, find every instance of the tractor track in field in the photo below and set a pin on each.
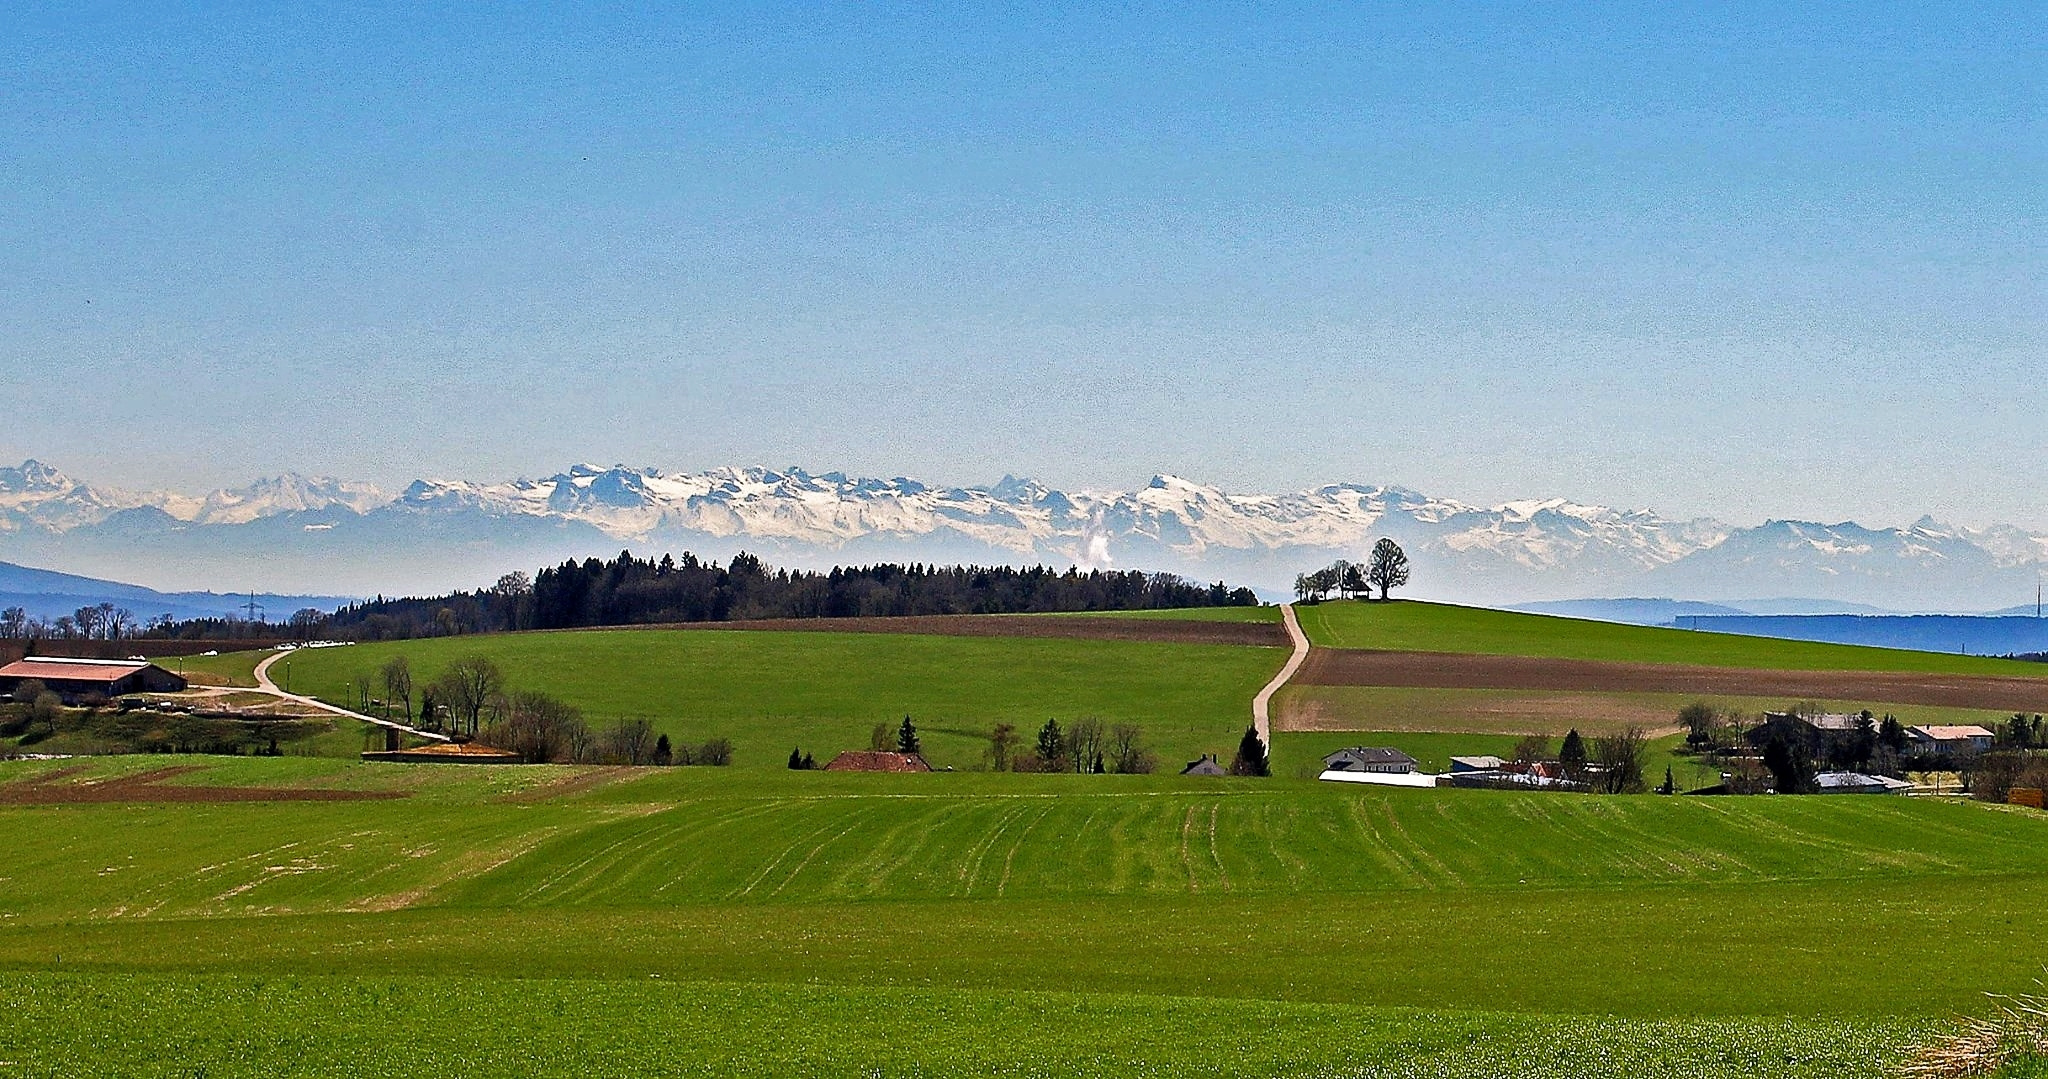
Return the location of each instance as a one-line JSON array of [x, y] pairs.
[[1458, 670]]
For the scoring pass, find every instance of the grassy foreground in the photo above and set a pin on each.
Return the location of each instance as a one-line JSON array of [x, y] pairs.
[[143, 1025], [1437, 627], [557, 921]]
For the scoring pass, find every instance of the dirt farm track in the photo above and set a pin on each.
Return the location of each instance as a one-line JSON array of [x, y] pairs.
[[1442, 670]]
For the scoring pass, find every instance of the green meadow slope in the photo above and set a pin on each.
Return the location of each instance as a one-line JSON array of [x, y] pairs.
[[1435, 627], [770, 691]]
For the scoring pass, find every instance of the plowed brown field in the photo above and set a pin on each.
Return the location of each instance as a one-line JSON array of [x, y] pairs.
[[53, 789]]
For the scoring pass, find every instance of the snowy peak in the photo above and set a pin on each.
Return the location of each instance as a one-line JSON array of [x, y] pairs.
[[289, 493], [33, 477]]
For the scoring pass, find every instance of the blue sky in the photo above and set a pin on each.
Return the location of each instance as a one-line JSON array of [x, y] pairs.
[[1743, 261]]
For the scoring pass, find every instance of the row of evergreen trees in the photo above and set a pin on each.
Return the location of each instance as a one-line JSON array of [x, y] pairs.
[[634, 591]]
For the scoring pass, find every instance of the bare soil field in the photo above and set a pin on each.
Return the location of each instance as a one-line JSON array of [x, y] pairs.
[[1073, 627], [52, 789], [1445, 670], [1375, 708]]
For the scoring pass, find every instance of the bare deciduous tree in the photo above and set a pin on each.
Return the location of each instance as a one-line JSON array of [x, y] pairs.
[[398, 684], [467, 687], [629, 741], [1084, 744], [1127, 752], [1620, 757]]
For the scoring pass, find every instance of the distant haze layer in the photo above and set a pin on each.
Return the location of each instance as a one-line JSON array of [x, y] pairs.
[[318, 535]]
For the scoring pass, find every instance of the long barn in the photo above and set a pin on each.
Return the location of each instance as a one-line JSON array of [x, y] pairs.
[[76, 679]]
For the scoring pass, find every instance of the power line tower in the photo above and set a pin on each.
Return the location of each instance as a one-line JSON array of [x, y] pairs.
[[256, 610]]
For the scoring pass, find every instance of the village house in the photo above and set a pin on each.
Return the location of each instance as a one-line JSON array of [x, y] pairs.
[[1206, 766], [1369, 759], [75, 680], [1949, 738], [1814, 734]]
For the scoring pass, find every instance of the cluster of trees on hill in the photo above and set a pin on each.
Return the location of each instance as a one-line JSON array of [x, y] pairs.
[[470, 698], [634, 591], [1386, 570]]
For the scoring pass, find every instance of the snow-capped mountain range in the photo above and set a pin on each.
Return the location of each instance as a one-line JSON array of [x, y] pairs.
[[311, 534]]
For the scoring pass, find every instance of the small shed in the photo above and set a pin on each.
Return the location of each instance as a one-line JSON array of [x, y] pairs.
[[1205, 766], [76, 679], [875, 760], [1369, 759], [1858, 783]]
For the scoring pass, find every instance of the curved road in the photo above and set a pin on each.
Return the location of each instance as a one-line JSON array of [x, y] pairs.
[[1262, 704], [265, 685]]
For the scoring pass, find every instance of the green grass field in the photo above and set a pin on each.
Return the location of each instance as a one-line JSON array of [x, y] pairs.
[[752, 920], [1436, 627], [142, 1025], [768, 692], [803, 902]]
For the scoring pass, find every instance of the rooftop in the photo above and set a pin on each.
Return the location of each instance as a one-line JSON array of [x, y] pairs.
[[72, 670], [1951, 732]]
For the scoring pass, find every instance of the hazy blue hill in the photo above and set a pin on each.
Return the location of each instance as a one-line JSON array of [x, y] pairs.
[[49, 594], [1972, 634], [1638, 612]]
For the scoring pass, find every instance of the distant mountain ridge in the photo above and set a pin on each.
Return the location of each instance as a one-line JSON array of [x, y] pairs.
[[49, 595], [319, 534]]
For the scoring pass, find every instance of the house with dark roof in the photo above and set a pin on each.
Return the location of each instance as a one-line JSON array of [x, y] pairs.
[[1369, 759], [876, 760], [1206, 766], [1815, 735], [79, 679]]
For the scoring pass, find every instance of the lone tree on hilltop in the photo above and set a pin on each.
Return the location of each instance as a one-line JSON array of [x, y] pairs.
[[1388, 568], [906, 737], [1251, 756]]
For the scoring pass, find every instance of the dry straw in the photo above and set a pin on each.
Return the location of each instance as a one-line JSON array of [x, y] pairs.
[[2017, 1029]]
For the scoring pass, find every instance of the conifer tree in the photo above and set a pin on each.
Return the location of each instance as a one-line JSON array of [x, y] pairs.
[[1571, 756], [796, 760], [1052, 747], [906, 737], [1251, 755]]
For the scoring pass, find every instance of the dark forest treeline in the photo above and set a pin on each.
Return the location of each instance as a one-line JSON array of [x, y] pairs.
[[629, 591]]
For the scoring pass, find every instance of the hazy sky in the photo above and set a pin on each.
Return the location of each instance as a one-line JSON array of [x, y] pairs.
[[1782, 260]]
